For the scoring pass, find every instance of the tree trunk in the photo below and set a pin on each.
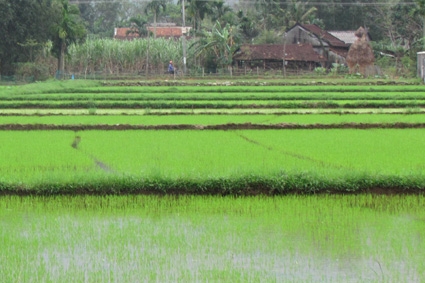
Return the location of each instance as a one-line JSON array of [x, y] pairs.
[[147, 57], [154, 25], [61, 61]]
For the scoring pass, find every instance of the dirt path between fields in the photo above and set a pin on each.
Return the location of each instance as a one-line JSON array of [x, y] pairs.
[[229, 126]]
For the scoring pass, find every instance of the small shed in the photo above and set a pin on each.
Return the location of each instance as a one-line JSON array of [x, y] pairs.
[[421, 65]]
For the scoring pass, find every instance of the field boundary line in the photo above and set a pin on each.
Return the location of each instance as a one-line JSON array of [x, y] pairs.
[[228, 126]]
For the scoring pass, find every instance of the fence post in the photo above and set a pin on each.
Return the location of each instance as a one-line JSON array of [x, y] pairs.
[[257, 71], [203, 72]]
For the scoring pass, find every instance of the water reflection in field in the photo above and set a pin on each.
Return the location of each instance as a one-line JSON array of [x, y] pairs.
[[197, 239]]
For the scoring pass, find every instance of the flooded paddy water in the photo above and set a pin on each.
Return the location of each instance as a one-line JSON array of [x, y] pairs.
[[327, 238]]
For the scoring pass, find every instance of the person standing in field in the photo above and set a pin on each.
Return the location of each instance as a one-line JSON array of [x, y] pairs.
[[171, 68]]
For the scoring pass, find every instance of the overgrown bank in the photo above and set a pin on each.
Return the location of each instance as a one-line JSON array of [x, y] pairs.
[[282, 184]]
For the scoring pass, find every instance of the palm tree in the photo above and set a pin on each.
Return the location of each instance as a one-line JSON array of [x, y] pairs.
[[218, 10], [270, 14], [155, 6], [297, 12], [196, 10], [68, 30]]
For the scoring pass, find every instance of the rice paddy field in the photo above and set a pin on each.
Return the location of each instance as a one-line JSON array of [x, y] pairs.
[[212, 182]]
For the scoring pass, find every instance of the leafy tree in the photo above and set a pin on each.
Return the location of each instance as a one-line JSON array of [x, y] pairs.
[[420, 11], [345, 14], [101, 17], [248, 27], [68, 29], [24, 28], [173, 14]]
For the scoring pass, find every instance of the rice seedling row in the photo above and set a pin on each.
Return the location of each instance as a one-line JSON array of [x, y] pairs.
[[256, 89], [93, 87], [199, 112], [253, 95], [345, 104]]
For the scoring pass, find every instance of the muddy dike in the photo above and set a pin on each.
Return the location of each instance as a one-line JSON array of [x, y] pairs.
[[258, 82], [229, 126]]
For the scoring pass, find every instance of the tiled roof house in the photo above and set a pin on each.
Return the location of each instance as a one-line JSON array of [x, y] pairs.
[[323, 42], [273, 55]]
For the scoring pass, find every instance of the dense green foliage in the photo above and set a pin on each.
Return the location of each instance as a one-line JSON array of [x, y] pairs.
[[24, 28], [31, 32]]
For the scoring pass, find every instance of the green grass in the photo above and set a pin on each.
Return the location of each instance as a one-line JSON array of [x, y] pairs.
[[186, 239]]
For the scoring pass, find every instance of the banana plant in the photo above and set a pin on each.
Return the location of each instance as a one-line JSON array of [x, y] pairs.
[[221, 42]]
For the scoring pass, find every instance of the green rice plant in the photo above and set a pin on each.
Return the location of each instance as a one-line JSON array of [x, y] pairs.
[[224, 162]]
